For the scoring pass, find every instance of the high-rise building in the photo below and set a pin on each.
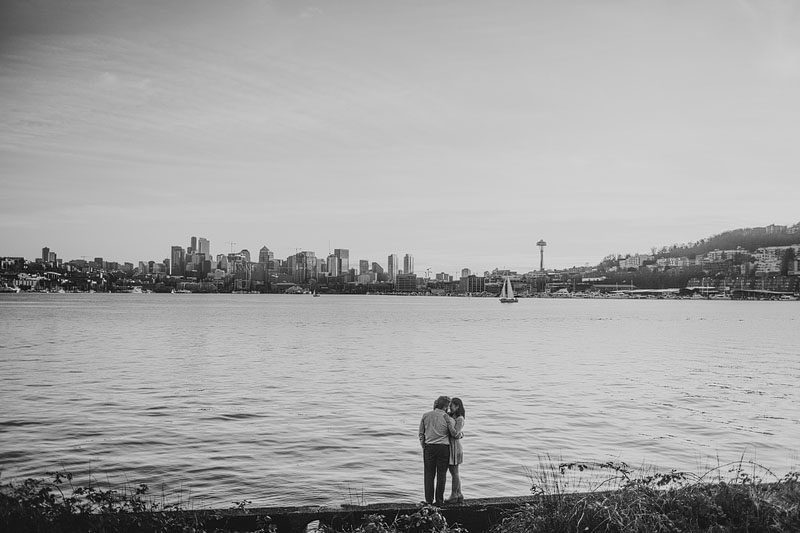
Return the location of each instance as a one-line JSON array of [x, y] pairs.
[[304, 266], [465, 272], [333, 265], [408, 264], [343, 254], [265, 255], [177, 261], [45, 254], [392, 267], [377, 268], [363, 266], [193, 248], [203, 246]]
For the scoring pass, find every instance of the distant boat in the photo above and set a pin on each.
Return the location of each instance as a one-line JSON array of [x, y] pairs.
[[507, 293]]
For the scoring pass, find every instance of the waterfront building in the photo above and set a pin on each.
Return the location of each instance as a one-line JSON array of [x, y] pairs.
[[406, 283], [392, 267], [472, 284], [363, 266], [465, 272], [377, 268], [408, 264]]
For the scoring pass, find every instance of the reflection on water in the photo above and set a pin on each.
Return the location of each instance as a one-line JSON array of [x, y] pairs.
[[300, 400]]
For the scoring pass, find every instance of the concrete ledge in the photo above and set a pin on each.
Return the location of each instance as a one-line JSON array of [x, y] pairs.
[[477, 515]]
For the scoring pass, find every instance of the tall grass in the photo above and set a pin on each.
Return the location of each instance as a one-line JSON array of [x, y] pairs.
[[613, 497]]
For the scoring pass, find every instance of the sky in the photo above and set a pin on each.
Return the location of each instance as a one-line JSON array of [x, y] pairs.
[[459, 131]]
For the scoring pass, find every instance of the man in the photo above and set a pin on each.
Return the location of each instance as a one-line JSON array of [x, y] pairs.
[[435, 429]]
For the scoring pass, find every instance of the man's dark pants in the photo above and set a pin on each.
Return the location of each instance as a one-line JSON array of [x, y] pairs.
[[437, 459]]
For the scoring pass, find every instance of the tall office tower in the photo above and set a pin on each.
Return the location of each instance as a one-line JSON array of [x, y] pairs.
[[52, 258], [343, 254], [305, 265], [203, 246], [377, 268], [392, 266], [408, 264], [245, 253], [465, 272], [333, 265], [176, 262], [193, 248], [265, 255], [363, 266], [45, 254]]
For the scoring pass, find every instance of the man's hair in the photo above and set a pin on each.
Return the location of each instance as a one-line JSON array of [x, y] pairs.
[[441, 402]]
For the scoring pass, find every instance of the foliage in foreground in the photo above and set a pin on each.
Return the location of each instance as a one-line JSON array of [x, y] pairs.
[[672, 502], [616, 502], [56, 506]]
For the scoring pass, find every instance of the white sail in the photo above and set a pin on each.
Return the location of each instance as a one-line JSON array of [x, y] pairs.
[[507, 293]]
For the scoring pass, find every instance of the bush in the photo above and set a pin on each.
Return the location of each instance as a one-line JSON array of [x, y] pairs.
[[674, 502]]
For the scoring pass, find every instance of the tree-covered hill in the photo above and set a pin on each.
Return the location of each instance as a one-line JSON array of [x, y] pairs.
[[748, 238]]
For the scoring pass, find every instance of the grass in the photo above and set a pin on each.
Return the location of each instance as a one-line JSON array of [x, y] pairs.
[[571, 497], [740, 496]]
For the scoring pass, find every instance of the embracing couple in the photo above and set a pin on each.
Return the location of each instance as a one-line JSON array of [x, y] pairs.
[[440, 434]]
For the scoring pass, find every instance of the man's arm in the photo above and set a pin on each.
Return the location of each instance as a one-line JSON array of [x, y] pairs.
[[451, 426], [422, 433]]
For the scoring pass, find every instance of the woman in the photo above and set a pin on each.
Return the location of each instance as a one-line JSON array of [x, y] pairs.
[[456, 451]]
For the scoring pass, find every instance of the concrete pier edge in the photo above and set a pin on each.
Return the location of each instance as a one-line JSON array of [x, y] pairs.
[[476, 515]]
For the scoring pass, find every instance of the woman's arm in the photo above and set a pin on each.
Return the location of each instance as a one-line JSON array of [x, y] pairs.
[[459, 427]]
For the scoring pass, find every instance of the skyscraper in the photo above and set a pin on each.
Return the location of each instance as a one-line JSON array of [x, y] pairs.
[[408, 264], [203, 246], [343, 254], [363, 266], [45, 254], [392, 267], [333, 265], [193, 248], [265, 255], [176, 262]]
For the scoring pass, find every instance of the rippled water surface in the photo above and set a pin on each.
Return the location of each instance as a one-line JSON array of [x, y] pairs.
[[293, 400]]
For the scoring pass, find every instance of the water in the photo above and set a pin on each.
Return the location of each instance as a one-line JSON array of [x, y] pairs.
[[293, 400]]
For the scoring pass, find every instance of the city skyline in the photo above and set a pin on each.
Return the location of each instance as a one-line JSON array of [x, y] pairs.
[[460, 132], [203, 245]]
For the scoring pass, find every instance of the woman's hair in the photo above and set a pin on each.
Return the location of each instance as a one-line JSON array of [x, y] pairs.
[[460, 409]]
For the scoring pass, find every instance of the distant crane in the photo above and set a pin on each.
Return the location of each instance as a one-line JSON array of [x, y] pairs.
[[232, 245], [541, 244]]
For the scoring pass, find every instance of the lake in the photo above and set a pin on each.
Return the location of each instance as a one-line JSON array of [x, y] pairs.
[[294, 400]]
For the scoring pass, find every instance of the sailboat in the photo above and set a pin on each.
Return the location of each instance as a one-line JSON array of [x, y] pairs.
[[507, 294]]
